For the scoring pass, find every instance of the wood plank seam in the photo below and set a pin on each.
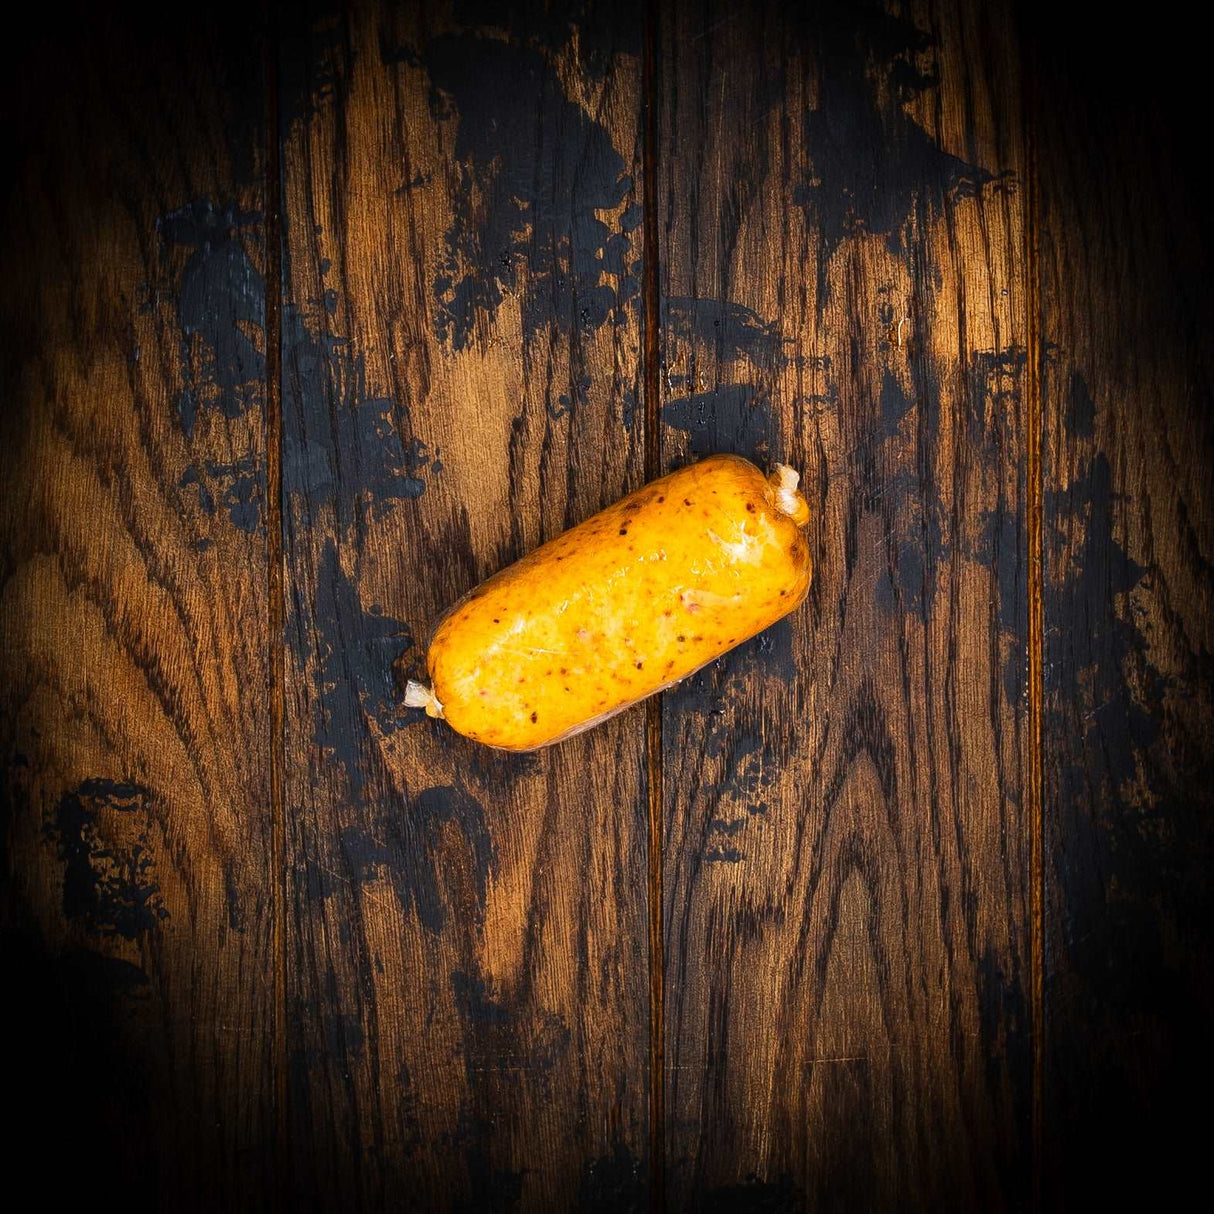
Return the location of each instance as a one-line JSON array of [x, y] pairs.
[[1036, 625], [653, 709], [277, 601]]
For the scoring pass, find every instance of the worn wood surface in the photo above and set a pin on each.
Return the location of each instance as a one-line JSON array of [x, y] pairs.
[[846, 855], [319, 315], [467, 990], [138, 917], [1128, 443]]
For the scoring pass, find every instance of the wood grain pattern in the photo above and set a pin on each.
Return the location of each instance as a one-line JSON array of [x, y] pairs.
[[137, 908], [461, 348], [1129, 543], [846, 852]]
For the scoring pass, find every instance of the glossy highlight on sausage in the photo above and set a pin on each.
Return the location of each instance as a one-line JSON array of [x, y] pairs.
[[632, 600]]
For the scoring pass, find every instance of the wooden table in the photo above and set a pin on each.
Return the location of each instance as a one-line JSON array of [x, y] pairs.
[[315, 319]]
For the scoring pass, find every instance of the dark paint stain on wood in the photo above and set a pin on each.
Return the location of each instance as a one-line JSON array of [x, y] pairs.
[[491, 1190], [1105, 699], [314, 61], [353, 652], [744, 764], [109, 876], [474, 1001], [998, 547], [755, 1196], [500, 1044], [732, 419], [603, 28], [1094, 663], [613, 1184], [996, 382], [894, 404], [1007, 1029], [341, 443], [218, 295], [408, 847], [501, 1040], [1081, 408], [872, 163], [240, 485], [537, 207], [743, 756], [729, 329]]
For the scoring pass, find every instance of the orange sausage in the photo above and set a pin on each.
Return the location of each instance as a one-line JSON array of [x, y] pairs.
[[632, 600]]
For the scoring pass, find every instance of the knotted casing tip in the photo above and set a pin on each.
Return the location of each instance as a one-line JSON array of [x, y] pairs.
[[418, 695], [784, 481]]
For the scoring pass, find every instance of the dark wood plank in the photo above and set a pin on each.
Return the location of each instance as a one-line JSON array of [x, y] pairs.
[[1128, 368], [846, 860], [461, 346], [138, 924]]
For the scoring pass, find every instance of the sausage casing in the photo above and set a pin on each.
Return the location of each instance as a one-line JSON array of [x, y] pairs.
[[630, 601]]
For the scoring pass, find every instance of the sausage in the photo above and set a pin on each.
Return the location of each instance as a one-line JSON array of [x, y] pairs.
[[632, 600]]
